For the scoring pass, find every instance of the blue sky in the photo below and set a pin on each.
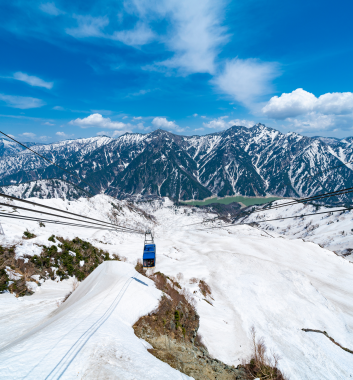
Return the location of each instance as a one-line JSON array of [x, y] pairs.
[[74, 69]]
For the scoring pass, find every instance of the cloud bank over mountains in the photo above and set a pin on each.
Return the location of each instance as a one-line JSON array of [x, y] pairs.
[[304, 110]]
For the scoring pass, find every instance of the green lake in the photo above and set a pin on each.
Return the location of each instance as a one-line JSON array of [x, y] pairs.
[[247, 201]]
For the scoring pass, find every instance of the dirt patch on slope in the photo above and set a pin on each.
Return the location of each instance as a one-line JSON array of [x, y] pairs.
[[172, 332]]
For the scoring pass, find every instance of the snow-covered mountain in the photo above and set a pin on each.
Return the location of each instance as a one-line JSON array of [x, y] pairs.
[[8, 147], [45, 189], [246, 161]]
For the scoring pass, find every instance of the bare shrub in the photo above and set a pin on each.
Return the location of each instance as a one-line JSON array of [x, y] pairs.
[[174, 281], [160, 280], [124, 259], [28, 273], [189, 298], [193, 280], [139, 267], [204, 288], [180, 277], [75, 284], [199, 341], [261, 365], [66, 297], [175, 316]]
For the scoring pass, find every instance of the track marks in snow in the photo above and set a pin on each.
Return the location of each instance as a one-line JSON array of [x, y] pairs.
[[75, 349]]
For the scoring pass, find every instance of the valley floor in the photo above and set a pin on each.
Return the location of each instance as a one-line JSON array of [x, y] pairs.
[[277, 285]]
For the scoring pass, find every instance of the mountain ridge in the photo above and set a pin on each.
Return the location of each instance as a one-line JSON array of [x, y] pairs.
[[254, 161]]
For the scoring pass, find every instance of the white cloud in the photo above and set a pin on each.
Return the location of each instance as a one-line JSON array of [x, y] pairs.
[[162, 122], [22, 102], [194, 33], [47, 123], [313, 121], [195, 115], [197, 35], [111, 133], [142, 127], [246, 79], [29, 135], [50, 9], [88, 26], [221, 123], [63, 135], [141, 34], [44, 138], [300, 102], [336, 103], [137, 118], [32, 80], [58, 108], [139, 93], [97, 120]]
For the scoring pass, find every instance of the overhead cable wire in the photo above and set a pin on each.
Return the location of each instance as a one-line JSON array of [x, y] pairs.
[[121, 229], [302, 215], [30, 218], [301, 200], [308, 199], [63, 211], [51, 162], [271, 220], [291, 203]]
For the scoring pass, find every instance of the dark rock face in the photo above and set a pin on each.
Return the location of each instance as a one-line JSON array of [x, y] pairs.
[[248, 161]]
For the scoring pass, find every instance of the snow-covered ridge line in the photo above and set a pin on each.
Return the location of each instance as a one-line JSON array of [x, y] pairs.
[[247, 161], [45, 189], [332, 230]]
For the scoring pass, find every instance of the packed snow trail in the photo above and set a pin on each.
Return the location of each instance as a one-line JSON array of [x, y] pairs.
[[90, 335]]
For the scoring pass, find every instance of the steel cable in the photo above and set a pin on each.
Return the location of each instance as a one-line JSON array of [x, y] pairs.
[[30, 218], [51, 162], [122, 229], [65, 212]]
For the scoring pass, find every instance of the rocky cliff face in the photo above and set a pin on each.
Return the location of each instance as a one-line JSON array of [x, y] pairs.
[[247, 161]]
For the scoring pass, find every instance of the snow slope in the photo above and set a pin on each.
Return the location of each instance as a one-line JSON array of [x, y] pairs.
[[45, 188], [90, 335], [275, 284], [332, 230]]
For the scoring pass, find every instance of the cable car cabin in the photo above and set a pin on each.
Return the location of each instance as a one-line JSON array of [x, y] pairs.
[[149, 256], [149, 252]]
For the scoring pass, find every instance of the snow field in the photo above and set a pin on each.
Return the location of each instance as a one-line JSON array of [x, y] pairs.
[[90, 335], [277, 285], [280, 286], [334, 232]]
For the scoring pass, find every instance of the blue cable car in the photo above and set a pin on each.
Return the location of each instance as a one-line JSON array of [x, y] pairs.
[[149, 251]]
